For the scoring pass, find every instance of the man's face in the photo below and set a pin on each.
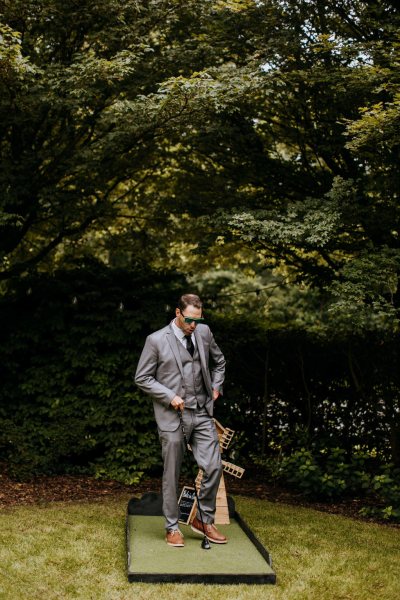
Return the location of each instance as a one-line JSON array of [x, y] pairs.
[[190, 312]]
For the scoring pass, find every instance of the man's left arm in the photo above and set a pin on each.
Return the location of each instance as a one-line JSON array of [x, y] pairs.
[[217, 369]]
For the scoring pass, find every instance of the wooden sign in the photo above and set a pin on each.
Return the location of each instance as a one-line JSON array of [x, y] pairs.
[[187, 505]]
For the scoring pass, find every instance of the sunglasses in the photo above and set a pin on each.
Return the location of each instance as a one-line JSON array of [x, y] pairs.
[[190, 320]]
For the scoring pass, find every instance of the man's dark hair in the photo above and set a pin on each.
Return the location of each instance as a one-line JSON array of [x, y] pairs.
[[189, 299]]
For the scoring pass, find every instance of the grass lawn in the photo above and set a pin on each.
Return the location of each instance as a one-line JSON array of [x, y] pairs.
[[77, 550]]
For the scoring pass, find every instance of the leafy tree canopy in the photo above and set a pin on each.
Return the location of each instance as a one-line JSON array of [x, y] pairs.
[[258, 134]]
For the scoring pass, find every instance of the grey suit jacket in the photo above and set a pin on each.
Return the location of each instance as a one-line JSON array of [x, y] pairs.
[[159, 371]]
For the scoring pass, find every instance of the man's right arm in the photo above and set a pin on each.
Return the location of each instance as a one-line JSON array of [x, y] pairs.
[[145, 375]]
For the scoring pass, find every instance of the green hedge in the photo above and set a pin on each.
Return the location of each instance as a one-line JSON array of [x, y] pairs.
[[329, 474], [69, 347]]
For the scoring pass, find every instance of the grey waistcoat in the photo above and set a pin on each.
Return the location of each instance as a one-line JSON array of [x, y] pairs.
[[194, 392]]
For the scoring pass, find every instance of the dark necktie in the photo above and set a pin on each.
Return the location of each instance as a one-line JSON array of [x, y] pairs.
[[189, 344]]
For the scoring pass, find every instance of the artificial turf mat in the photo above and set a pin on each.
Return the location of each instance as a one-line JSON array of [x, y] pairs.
[[242, 560]]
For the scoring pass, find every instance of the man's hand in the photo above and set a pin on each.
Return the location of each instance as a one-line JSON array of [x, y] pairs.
[[177, 403], [215, 394]]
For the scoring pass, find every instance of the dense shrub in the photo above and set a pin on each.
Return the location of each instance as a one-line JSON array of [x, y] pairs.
[[287, 389], [328, 474], [69, 344], [69, 347]]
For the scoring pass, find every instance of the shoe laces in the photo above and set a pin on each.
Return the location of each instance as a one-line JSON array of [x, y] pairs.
[[174, 531]]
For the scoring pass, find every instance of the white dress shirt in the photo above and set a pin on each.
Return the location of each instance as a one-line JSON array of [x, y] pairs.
[[181, 335]]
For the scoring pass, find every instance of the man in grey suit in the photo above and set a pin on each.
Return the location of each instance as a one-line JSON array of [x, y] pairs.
[[182, 368]]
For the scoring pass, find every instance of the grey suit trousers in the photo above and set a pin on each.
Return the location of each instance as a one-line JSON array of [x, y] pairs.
[[203, 438]]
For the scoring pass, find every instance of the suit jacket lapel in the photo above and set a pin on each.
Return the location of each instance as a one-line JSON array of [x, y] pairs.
[[200, 348], [174, 347]]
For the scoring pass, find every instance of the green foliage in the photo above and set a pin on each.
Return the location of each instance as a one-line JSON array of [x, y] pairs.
[[69, 348], [330, 475], [387, 489], [90, 94], [297, 385], [324, 474], [251, 145], [362, 299], [216, 133]]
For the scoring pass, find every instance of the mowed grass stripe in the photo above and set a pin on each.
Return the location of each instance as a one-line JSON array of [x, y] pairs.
[[77, 550]]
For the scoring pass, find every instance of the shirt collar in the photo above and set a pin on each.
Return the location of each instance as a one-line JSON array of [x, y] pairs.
[[178, 331]]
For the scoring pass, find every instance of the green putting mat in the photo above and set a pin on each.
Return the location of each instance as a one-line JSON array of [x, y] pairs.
[[242, 560]]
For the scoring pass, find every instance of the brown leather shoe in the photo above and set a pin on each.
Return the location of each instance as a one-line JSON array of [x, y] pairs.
[[174, 538], [209, 530]]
